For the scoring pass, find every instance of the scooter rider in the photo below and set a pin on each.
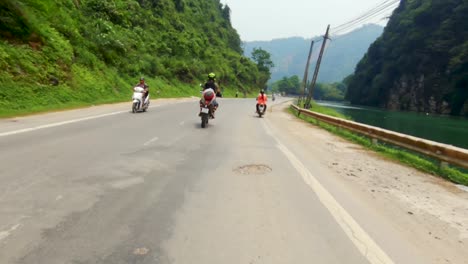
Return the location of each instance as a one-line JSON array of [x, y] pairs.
[[261, 100], [143, 85]]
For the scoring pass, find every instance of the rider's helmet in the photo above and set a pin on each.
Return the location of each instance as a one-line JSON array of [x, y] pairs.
[[211, 76], [262, 91]]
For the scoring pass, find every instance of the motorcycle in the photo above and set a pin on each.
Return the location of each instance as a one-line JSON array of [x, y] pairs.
[[261, 110], [138, 105], [207, 108]]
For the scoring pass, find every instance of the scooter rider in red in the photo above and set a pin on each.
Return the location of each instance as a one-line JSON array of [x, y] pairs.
[[262, 100]]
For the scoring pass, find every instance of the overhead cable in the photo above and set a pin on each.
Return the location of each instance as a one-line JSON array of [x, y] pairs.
[[382, 8]]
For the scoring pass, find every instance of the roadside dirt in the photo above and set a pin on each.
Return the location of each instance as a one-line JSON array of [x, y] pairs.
[[432, 212]]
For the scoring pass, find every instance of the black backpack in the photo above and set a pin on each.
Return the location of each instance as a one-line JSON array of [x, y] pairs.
[[210, 84]]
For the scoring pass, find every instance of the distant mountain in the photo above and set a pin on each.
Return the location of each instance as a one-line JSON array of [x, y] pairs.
[[340, 59]]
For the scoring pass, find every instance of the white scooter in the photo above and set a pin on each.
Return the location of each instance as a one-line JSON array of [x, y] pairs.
[[138, 104], [261, 110]]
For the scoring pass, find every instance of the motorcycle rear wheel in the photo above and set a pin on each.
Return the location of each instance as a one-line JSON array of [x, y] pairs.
[[204, 121]]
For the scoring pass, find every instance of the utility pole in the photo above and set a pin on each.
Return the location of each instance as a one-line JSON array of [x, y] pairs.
[[306, 73], [317, 67]]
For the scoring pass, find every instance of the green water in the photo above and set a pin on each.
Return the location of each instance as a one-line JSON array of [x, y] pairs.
[[444, 129]]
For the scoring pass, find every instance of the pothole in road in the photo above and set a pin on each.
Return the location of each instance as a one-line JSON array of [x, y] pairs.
[[141, 251], [253, 169]]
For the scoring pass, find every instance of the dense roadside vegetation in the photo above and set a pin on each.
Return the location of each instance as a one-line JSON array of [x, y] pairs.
[[421, 61], [64, 53]]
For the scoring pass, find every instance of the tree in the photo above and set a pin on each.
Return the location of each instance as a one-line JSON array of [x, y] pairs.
[[226, 13], [329, 91], [287, 85], [264, 64], [263, 59]]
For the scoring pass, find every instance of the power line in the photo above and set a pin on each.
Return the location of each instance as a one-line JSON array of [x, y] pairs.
[[359, 21], [367, 13], [370, 11], [376, 11], [364, 20], [382, 10]]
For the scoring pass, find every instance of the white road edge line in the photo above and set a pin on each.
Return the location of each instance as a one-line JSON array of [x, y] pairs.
[[14, 132], [59, 124], [5, 234], [363, 242], [150, 141]]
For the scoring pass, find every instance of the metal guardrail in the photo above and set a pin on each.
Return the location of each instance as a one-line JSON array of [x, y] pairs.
[[443, 152]]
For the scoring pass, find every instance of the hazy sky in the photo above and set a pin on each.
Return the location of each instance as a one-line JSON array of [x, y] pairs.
[[270, 19]]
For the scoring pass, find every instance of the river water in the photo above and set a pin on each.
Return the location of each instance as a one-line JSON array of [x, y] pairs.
[[444, 129]]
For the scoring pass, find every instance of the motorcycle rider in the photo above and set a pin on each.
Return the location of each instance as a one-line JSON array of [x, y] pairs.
[[211, 83], [261, 100], [143, 85], [210, 91]]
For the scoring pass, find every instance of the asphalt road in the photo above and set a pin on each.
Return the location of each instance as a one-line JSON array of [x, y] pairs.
[[103, 185]]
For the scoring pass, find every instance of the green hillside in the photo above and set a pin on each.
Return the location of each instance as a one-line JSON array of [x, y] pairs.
[[421, 61], [63, 53]]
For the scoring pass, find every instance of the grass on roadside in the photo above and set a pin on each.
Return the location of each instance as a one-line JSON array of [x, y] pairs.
[[412, 159], [83, 91]]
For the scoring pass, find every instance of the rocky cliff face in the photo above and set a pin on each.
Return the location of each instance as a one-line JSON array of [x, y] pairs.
[[409, 94], [420, 63]]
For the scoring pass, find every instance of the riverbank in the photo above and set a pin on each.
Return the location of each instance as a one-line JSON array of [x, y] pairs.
[[444, 129], [410, 158]]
